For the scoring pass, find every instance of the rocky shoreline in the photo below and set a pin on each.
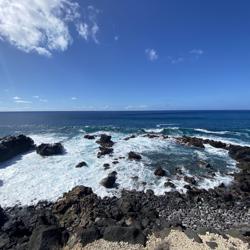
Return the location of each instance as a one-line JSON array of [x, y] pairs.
[[80, 216]]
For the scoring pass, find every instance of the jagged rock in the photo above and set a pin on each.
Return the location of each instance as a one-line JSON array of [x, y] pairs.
[[81, 164], [190, 180], [192, 141], [3, 217], [104, 151], [129, 137], [46, 237], [134, 156], [169, 184], [239, 153], [89, 137], [46, 149], [109, 181], [12, 146], [105, 141], [89, 235], [106, 166], [126, 234], [160, 172]]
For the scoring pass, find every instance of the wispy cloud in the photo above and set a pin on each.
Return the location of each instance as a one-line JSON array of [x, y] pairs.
[[43, 26], [196, 52], [43, 100], [73, 98], [17, 98], [22, 101], [116, 38], [151, 54], [176, 60], [36, 96]]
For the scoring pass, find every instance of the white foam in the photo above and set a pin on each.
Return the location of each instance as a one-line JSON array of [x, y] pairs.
[[154, 130], [31, 177], [211, 132]]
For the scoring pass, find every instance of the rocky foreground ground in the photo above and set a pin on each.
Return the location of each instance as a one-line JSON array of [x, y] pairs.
[[81, 217]]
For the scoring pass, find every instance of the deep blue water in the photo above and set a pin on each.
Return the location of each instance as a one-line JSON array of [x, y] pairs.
[[235, 124]]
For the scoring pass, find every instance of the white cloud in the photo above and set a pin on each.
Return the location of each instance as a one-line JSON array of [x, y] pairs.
[[151, 54], [17, 98], [176, 60], [116, 38], [42, 26], [73, 98], [36, 96], [22, 101], [196, 52]]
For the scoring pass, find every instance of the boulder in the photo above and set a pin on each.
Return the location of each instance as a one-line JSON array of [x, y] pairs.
[[160, 172], [3, 217], [104, 151], [46, 149], [169, 184], [109, 181], [239, 153], [192, 141], [81, 164], [190, 180], [89, 137], [46, 237], [134, 156], [105, 141], [12, 146], [89, 235], [129, 137], [131, 235], [106, 166]]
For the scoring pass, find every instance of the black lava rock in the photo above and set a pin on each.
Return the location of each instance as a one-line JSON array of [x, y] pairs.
[[50, 149], [134, 156], [160, 172], [12, 146]]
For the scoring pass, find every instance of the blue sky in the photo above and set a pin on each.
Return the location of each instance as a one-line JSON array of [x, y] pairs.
[[124, 55]]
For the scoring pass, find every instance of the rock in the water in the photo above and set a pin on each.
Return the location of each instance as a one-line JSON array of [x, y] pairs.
[[190, 180], [104, 151], [134, 156], [126, 234], [89, 137], [160, 172], [106, 166], [192, 141], [129, 137], [109, 181], [12, 146], [46, 149], [46, 237], [169, 184], [105, 141], [239, 153], [81, 164]]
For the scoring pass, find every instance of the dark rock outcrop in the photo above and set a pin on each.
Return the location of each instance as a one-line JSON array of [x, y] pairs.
[[104, 151], [81, 164], [46, 149], [134, 156], [46, 237], [12, 146], [109, 181], [89, 137], [160, 172], [191, 141], [190, 180], [129, 137], [105, 141], [131, 235]]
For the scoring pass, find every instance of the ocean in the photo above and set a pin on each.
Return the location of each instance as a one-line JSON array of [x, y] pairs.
[[30, 177]]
